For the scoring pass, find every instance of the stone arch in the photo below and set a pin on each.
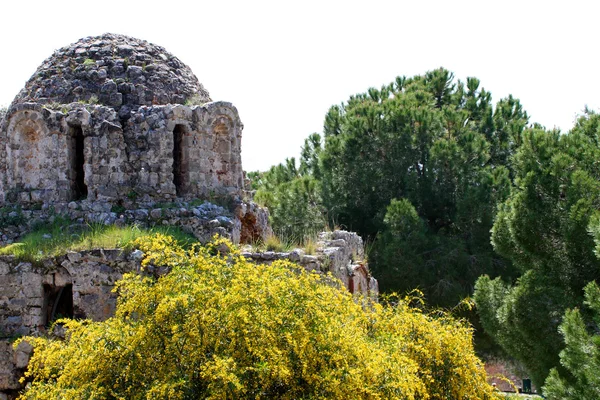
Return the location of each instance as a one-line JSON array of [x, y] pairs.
[[58, 297], [223, 129], [27, 136]]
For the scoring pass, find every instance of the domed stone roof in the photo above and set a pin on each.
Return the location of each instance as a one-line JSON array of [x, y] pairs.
[[114, 70]]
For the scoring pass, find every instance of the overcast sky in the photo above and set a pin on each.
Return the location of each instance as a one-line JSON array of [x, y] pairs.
[[284, 63]]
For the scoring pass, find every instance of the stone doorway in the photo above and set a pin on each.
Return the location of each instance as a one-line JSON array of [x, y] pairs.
[[58, 302]]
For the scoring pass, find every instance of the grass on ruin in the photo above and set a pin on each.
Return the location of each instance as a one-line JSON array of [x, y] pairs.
[[284, 243], [58, 238]]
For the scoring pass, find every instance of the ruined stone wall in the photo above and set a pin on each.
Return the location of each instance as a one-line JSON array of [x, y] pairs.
[[27, 291], [12, 365], [122, 157], [26, 288], [2, 157], [340, 253], [210, 162], [33, 163], [79, 284], [242, 222]]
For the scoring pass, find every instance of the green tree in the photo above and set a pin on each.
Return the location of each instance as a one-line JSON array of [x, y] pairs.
[[293, 194], [430, 140], [544, 229], [581, 356], [442, 147]]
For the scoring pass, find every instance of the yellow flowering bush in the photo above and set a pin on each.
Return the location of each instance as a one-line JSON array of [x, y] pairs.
[[220, 327]]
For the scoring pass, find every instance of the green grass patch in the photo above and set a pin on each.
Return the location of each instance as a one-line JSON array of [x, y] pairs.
[[283, 243], [58, 238], [310, 245]]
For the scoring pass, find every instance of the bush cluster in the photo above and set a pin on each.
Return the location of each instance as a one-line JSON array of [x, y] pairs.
[[218, 326]]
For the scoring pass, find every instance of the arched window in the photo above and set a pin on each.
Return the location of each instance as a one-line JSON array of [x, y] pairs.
[[27, 148], [179, 160], [79, 189]]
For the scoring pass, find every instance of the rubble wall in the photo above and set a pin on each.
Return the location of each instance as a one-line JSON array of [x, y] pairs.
[[122, 157], [340, 253], [32, 295], [200, 220]]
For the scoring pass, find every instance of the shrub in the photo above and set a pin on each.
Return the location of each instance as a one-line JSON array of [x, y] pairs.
[[220, 327]]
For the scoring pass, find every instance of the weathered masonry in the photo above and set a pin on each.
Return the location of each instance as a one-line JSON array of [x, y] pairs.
[[79, 285], [116, 130], [110, 117], [84, 152]]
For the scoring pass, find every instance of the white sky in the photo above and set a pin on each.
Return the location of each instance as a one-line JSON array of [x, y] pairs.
[[284, 63]]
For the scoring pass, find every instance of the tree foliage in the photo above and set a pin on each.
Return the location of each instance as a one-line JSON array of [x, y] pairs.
[[544, 228], [292, 194], [430, 141], [218, 326], [439, 145], [581, 356]]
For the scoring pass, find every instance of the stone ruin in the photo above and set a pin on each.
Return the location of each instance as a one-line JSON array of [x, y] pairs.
[[111, 117], [79, 285], [116, 130], [110, 128]]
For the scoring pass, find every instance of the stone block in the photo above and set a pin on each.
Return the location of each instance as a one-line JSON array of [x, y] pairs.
[[34, 321], [62, 279], [37, 196], [8, 287], [74, 256], [4, 270], [22, 354], [24, 197], [18, 302], [34, 301], [32, 285]]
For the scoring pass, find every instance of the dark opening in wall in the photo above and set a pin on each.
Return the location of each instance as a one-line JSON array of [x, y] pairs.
[[78, 186], [179, 165], [59, 302], [249, 232]]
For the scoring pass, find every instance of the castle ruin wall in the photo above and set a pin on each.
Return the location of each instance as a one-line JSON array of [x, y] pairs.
[[80, 285], [84, 152]]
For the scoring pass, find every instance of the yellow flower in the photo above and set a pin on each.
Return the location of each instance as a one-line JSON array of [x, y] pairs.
[[219, 327]]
